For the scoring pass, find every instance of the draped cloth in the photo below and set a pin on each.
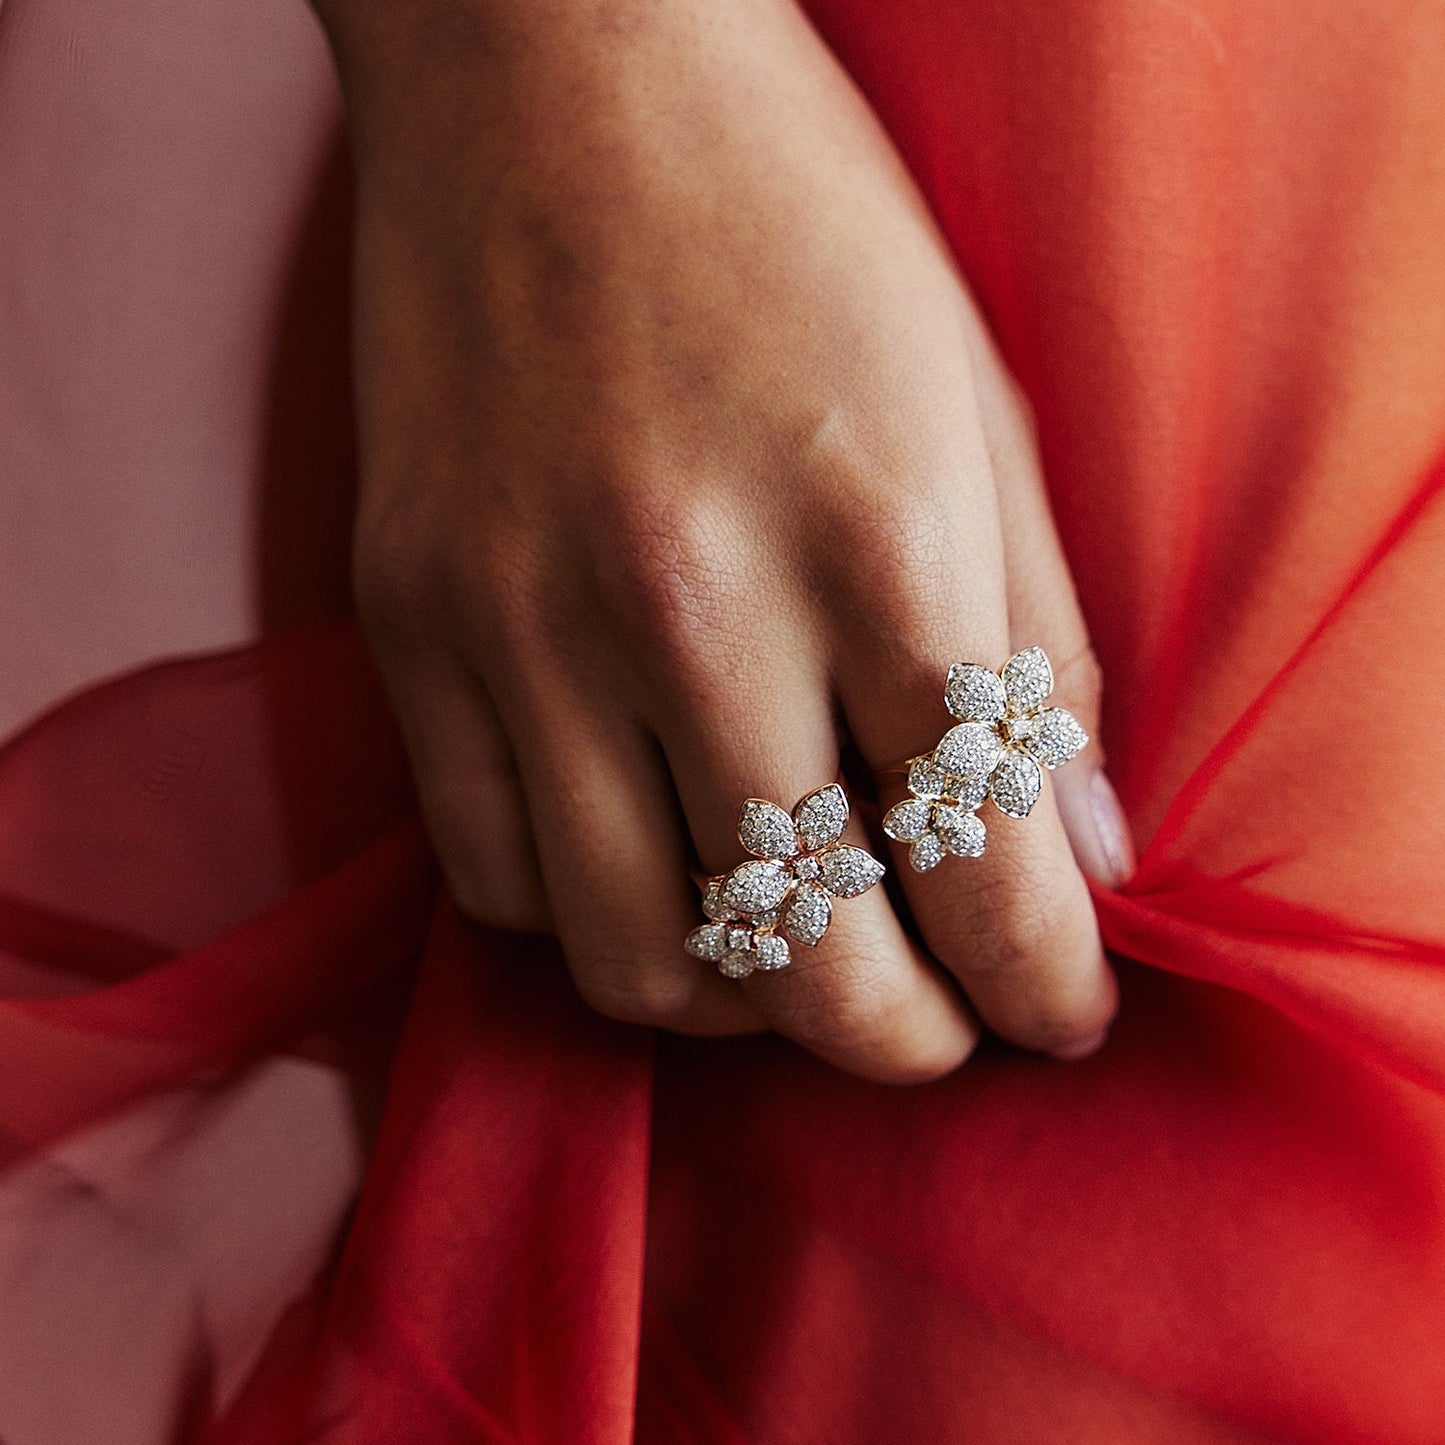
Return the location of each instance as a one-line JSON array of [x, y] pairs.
[[291, 1151]]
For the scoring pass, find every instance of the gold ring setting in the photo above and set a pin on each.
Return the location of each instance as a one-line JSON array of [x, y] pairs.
[[785, 890], [1004, 740]]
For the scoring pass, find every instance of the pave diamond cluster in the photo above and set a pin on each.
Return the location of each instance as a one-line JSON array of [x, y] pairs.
[[1004, 739], [785, 890]]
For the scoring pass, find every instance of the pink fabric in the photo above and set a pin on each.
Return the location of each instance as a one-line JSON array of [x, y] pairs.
[[175, 474], [175, 453]]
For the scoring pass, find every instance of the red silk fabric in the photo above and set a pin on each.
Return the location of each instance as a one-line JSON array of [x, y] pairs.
[[235, 1000]]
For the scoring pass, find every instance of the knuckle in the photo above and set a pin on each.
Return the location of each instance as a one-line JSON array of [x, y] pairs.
[[900, 534], [900, 572], [671, 567], [418, 579]]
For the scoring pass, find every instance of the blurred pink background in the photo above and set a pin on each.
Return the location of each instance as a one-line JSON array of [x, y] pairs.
[[171, 323]]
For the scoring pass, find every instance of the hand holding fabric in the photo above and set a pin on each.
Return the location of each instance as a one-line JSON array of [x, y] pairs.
[[686, 454]]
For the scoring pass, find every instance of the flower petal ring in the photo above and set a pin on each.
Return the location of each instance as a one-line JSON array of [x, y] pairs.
[[1001, 745], [785, 890]]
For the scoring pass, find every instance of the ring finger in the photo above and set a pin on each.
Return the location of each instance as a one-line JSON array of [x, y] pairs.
[[866, 998]]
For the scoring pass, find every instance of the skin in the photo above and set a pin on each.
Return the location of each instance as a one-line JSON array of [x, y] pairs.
[[686, 455]]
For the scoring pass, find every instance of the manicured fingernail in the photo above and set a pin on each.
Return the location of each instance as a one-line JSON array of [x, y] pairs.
[[1112, 828], [1072, 1053]]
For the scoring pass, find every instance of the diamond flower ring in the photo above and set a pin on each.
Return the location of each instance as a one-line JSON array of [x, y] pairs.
[[785, 890], [1004, 739]]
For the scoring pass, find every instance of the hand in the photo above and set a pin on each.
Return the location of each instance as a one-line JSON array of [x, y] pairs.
[[684, 448]]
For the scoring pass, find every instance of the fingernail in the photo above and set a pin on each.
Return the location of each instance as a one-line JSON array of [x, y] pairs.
[[1072, 1053], [1112, 828]]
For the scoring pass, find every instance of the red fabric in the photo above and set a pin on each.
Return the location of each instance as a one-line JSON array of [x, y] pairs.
[[1207, 236]]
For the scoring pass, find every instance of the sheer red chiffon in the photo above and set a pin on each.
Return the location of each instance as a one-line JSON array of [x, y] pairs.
[[292, 1152]]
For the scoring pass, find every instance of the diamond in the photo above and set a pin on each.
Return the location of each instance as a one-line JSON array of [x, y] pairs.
[[948, 815], [1058, 738], [925, 780], [709, 942], [973, 693], [927, 853], [712, 903], [966, 793], [1027, 679], [771, 952], [766, 831], [849, 871], [1021, 729], [969, 750], [820, 817], [755, 886], [808, 918], [908, 821], [738, 965], [963, 834], [783, 889], [1016, 784]]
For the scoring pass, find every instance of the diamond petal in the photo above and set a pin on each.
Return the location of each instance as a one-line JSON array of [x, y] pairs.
[[927, 853], [970, 750], [712, 903], [1023, 730], [1059, 737], [1016, 784], [820, 817], [966, 793], [755, 886], [925, 778], [766, 830], [808, 918], [849, 871], [973, 693], [1027, 679], [709, 942], [963, 833], [770, 952], [908, 820], [738, 964]]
